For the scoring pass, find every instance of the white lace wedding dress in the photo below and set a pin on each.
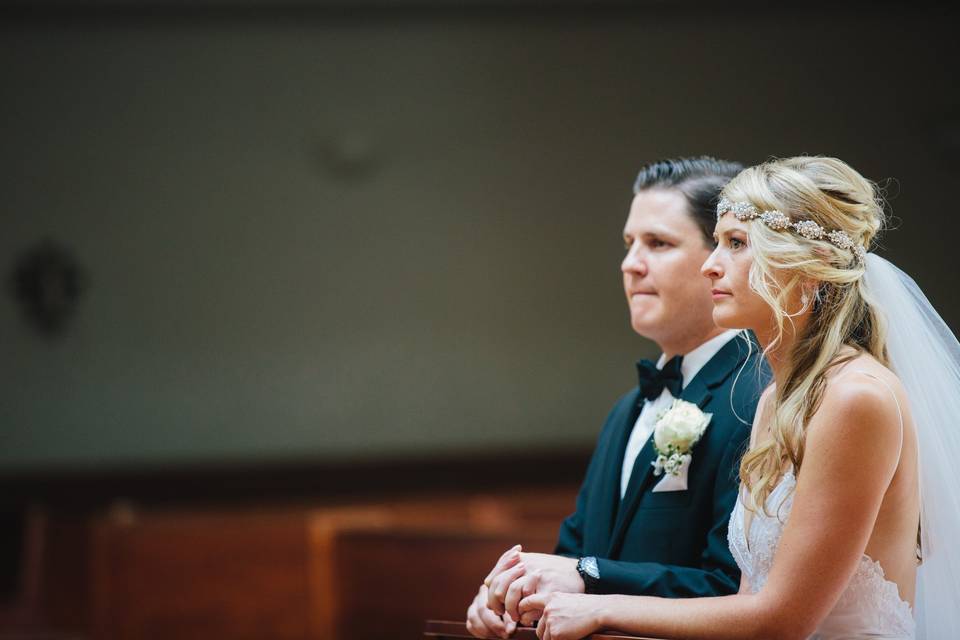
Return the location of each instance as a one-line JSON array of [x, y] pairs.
[[870, 606]]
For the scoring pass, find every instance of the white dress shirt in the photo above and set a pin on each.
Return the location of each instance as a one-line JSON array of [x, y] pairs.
[[689, 367]]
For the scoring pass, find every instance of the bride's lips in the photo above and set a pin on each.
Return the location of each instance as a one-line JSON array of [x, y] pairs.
[[720, 293]]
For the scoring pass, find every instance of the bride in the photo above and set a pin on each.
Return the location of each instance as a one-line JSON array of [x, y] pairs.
[[830, 528]]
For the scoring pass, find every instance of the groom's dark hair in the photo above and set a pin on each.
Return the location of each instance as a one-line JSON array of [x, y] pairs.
[[699, 180]]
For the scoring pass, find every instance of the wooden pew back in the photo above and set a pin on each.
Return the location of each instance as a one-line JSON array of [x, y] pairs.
[[386, 583], [299, 573]]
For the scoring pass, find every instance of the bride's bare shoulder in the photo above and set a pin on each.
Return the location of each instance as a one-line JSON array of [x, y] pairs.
[[857, 402], [844, 377]]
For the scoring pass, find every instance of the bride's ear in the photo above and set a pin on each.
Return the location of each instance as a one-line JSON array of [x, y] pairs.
[[813, 290], [809, 294]]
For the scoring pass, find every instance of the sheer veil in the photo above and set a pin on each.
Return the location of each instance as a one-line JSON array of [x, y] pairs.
[[925, 355]]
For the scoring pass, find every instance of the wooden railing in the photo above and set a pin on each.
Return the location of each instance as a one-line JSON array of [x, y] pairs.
[[339, 573], [448, 630]]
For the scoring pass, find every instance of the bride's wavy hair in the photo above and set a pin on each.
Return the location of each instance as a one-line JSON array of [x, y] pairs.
[[832, 194]]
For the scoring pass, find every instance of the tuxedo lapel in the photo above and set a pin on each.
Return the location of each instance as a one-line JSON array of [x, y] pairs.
[[697, 391], [639, 478], [610, 493]]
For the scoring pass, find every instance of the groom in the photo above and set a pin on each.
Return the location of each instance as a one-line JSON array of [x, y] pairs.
[[638, 529]]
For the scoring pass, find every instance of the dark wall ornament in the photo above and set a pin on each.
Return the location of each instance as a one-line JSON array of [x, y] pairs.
[[47, 282]]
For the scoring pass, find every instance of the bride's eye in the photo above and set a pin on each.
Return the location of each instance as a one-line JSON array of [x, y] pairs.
[[736, 243]]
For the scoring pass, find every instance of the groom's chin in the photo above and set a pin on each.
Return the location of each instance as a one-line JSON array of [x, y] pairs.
[[645, 324]]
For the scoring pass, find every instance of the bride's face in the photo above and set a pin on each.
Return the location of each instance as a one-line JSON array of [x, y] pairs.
[[735, 304]]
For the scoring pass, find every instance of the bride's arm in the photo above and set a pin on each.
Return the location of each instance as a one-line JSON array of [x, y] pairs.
[[851, 454], [744, 585]]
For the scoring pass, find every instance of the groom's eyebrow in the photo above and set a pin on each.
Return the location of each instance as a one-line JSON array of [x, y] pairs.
[[647, 234], [658, 233]]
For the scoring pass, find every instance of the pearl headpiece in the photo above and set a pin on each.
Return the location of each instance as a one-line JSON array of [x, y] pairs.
[[778, 221]]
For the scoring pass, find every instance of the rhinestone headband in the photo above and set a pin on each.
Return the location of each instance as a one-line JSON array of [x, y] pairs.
[[778, 221]]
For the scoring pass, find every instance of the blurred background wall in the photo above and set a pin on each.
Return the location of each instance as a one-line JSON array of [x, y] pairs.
[[329, 231]]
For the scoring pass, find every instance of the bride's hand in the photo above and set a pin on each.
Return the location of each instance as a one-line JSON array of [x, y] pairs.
[[564, 616]]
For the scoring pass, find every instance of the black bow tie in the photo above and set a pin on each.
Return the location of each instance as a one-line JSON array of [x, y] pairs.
[[653, 380]]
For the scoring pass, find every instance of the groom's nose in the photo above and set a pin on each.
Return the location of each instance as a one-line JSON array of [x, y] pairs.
[[634, 261]]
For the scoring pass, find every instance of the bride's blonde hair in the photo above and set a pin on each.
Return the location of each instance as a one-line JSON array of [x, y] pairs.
[[832, 194]]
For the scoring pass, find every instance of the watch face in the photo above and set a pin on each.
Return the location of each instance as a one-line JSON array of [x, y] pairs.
[[590, 567]]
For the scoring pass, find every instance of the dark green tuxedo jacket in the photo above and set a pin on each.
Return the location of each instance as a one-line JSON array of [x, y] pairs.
[[671, 544]]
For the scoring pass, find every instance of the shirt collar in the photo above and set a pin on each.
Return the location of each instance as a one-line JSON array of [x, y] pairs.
[[696, 358]]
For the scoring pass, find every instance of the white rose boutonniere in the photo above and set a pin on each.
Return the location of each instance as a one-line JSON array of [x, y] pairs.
[[676, 431]]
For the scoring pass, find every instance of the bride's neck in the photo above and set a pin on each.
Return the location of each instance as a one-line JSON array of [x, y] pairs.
[[778, 356]]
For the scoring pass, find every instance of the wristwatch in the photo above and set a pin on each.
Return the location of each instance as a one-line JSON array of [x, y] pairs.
[[588, 570]]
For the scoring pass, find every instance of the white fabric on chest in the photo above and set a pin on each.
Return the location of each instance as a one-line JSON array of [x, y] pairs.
[[691, 365]]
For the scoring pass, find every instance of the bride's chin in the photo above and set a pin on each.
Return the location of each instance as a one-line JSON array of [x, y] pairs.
[[726, 320]]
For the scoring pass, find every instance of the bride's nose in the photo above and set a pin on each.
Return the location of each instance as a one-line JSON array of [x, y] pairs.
[[711, 268]]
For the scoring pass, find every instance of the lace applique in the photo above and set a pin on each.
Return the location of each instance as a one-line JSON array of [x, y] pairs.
[[755, 557], [870, 604], [869, 590]]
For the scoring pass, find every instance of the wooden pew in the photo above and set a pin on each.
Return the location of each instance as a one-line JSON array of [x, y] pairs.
[[49, 602], [385, 583], [368, 577], [200, 575], [286, 573], [448, 630], [20, 609]]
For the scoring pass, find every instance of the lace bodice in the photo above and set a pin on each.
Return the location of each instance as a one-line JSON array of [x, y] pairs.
[[870, 606]]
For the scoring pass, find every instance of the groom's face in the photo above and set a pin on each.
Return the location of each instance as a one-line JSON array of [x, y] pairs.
[[667, 296]]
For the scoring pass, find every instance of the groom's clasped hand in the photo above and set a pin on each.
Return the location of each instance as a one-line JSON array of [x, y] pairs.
[[518, 575], [537, 588]]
